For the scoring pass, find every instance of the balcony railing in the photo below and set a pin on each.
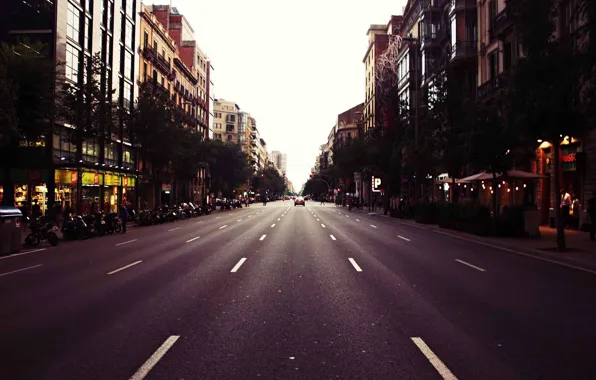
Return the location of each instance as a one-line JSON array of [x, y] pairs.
[[488, 88], [464, 49], [162, 64], [461, 5], [430, 4], [148, 53], [502, 23]]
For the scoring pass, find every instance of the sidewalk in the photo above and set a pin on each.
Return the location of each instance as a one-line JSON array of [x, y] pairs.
[[581, 252]]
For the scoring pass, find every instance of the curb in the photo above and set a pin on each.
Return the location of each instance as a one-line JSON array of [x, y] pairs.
[[530, 252]]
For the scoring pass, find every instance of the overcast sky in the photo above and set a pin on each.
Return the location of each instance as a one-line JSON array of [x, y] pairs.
[[294, 66]]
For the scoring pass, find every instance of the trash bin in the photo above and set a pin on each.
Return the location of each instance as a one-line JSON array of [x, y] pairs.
[[10, 230]]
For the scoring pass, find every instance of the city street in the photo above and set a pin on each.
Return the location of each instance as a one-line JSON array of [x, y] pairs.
[[284, 292]]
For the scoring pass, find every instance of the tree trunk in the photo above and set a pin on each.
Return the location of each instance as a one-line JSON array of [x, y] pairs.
[[558, 221]]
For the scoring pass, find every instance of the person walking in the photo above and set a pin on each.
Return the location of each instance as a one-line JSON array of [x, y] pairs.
[[592, 215], [565, 207], [123, 214], [323, 201]]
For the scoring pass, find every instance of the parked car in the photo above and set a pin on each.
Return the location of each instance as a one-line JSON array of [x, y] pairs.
[[299, 201]]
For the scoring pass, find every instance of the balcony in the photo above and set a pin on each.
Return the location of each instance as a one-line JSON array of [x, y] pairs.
[[162, 64], [430, 6], [148, 53], [489, 88], [429, 39], [502, 24], [177, 86], [464, 50], [461, 5]]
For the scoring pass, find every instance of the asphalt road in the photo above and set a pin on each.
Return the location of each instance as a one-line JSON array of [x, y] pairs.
[[284, 292]]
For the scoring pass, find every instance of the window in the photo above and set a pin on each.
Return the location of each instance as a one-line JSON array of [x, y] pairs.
[[108, 50], [155, 45], [145, 70], [242, 138], [88, 6], [422, 59], [73, 20], [229, 128], [126, 95], [492, 13], [145, 39], [127, 65], [73, 59], [130, 8], [493, 64], [453, 34], [507, 56], [230, 138], [110, 14], [128, 38], [88, 31]]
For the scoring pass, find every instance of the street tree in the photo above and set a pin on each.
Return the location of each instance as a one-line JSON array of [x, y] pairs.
[[549, 86]]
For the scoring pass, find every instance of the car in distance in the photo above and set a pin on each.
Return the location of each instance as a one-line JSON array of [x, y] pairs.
[[299, 201]]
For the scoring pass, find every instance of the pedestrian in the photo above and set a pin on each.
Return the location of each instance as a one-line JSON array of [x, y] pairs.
[[592, 215], [565, 207], [323, 201], [123, 211]]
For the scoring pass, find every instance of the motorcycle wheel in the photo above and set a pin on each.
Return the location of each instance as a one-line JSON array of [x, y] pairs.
[[53, 239], [32, 239], [117, 228]]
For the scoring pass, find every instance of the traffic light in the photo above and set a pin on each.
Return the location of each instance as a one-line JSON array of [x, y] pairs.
[[262, 175]]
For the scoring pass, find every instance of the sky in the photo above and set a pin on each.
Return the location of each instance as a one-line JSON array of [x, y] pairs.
[[294, 66]]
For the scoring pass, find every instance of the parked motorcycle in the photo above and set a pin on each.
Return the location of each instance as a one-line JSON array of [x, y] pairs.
[[75, 228], [42, 229]]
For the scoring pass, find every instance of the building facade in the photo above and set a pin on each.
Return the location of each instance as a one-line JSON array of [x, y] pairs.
[[104, 172], [225, 120], [280, 161]]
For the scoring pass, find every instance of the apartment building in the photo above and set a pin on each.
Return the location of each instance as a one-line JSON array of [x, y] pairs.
[[253, 137], [225, 120], [279, 159], [190, 57], [50, 171], [348, 125], [378, 40]]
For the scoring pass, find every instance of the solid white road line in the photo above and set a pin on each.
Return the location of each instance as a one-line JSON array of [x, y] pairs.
[[470, 265], [356, 266], [174, 229], [322, 225], [193, 239], [403, 238], [238, 265], [126, 242], [22, 253], [332, 237], [20, 270], [125, 267], [434, 359], [373, 226], [263, 237], [222, 227], [273, 225], [357, 220], [152, 361]]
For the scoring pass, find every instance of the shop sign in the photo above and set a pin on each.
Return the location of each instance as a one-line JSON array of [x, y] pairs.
[[90, 178], [129, 181], [65, 176], [112, 180], [569, 158], [166, 187], [376, 184]]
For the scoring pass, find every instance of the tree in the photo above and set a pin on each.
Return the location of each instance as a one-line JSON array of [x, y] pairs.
[[315, 185], [548, 85], [228, 166], [88, 109], [269, 179], [27, 82]]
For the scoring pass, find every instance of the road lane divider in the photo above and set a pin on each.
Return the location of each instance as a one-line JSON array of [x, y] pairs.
[[263, 237], [222, 227], [332, 237], [470, 265], [322, 225], [193, 239], [441, 368], [357, 220], [20, 270], [278, 219], [318, 220], [126, 242], [156, 357], [373, 226], [238, 265], [174, 229], [23, 253], [355, 265], [125, 267], [239, 220], [273, 225], [347, 216], [403, 238]]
